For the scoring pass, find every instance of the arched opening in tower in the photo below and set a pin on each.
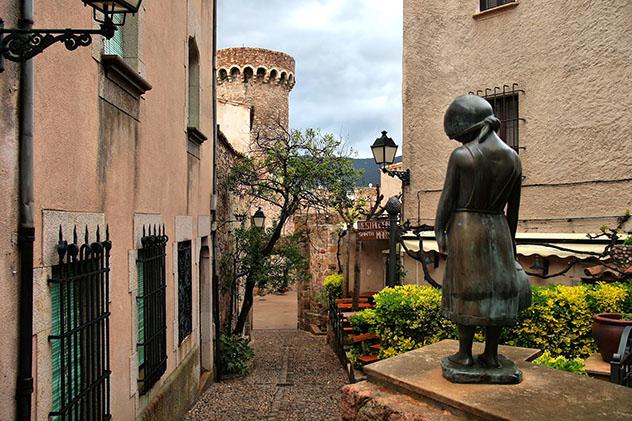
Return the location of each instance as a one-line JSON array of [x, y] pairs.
[[248, 74]]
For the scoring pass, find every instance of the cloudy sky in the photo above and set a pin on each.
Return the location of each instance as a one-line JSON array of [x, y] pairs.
[[348, 60]]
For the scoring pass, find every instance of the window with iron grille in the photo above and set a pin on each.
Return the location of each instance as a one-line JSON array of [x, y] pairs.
[[505, 102], [185, 313], [80, 334], [490, 4], [152, 307]]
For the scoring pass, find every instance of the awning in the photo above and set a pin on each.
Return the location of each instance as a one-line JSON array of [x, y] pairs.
[[561, 245]]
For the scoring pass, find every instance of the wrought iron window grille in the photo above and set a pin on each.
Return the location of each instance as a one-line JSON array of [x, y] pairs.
[[80, 338], [152, 307], [505, 101], [185, 291], [490, 4]]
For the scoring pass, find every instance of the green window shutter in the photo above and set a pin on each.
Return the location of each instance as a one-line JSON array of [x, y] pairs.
[[114, 46], [72, 353], [141, 314]]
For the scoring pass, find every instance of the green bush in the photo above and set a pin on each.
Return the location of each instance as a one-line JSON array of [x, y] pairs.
[[575, 365], [408, 317], [332, 288], [235, 355], [559, 320], [363, 321]]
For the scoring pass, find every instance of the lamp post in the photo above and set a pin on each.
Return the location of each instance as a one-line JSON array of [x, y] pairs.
[[384, 150], [393, 208], [259, 219], [24, 43]]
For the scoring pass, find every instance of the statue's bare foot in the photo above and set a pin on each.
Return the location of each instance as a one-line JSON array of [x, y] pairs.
[[462, 359], [488, 361]]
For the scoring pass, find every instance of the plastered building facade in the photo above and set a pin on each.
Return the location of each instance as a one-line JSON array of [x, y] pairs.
[[122, 139], [559, 73]]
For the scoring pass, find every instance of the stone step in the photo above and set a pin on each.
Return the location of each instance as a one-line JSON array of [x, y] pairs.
[[368, 359], [363, 337]]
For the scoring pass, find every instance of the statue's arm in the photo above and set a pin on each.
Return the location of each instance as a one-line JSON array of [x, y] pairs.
[[448, 200], [513, 205]]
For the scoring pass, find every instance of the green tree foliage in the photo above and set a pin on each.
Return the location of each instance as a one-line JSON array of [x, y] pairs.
[[298, 170]]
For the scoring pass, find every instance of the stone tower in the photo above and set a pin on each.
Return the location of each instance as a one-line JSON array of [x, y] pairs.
[[261, 79]]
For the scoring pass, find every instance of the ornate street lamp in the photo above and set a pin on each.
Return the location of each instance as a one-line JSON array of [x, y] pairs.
[[384, 150], [24, 43], [259, 219]]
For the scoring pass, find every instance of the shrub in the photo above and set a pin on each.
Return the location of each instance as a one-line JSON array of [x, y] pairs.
[[408, 317], [575, 365], [559, 320], [363, 321], [332, 288], [235, 355]]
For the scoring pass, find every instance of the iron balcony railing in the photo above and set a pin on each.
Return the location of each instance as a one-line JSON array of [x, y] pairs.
[[152, 308], [80, 338]]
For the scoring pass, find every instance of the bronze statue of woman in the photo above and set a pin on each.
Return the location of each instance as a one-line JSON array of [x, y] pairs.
[[484, 285]]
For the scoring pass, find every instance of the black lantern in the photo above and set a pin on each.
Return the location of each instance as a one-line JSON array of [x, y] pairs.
[[108, 7], [259, 219], [384, 150]]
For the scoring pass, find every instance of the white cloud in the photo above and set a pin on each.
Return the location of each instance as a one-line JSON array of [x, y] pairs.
[[348, 60]]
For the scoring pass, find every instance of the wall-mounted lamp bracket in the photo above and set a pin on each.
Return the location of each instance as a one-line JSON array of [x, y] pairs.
[[404, 176], [19, 45]]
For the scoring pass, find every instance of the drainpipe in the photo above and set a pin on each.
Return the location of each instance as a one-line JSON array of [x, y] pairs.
[[215, 275], [26, 230]]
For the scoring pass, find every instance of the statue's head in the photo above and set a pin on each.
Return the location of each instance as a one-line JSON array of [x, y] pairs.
[[466, 116]]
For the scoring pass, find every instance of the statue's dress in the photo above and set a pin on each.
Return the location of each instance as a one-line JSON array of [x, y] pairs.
[[484, 285]]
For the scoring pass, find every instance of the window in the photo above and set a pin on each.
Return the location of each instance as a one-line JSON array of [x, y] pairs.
[[80, 334], [490, 4], [152, 307], [194, 85], [185, 298], [114, 45], [505, 102]]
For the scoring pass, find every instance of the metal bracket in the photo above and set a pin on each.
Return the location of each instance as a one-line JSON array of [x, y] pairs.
[[404, 176], [19, 45]]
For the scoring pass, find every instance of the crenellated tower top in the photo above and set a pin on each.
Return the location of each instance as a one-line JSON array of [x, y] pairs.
[[255, 65], [261, 80]]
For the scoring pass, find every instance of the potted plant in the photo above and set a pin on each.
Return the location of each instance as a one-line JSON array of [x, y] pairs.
[[607, 329]]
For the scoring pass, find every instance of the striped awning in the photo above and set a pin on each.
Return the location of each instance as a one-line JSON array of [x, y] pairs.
[[561, 245]]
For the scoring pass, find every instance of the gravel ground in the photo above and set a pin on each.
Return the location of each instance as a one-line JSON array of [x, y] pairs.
[[295, 376]]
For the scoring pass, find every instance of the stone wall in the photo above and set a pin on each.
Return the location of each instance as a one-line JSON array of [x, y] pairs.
[[228, 205], [321, 235]]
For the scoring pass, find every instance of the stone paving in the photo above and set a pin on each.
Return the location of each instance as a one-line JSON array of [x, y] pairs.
[[295, 376]]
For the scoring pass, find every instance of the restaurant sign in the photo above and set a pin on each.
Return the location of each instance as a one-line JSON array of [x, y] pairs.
[[373, 230]]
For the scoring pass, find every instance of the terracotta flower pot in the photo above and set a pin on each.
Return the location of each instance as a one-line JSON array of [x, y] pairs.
[[606, 330]]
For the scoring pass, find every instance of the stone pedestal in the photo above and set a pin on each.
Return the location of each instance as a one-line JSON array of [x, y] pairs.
[[412, 387]]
